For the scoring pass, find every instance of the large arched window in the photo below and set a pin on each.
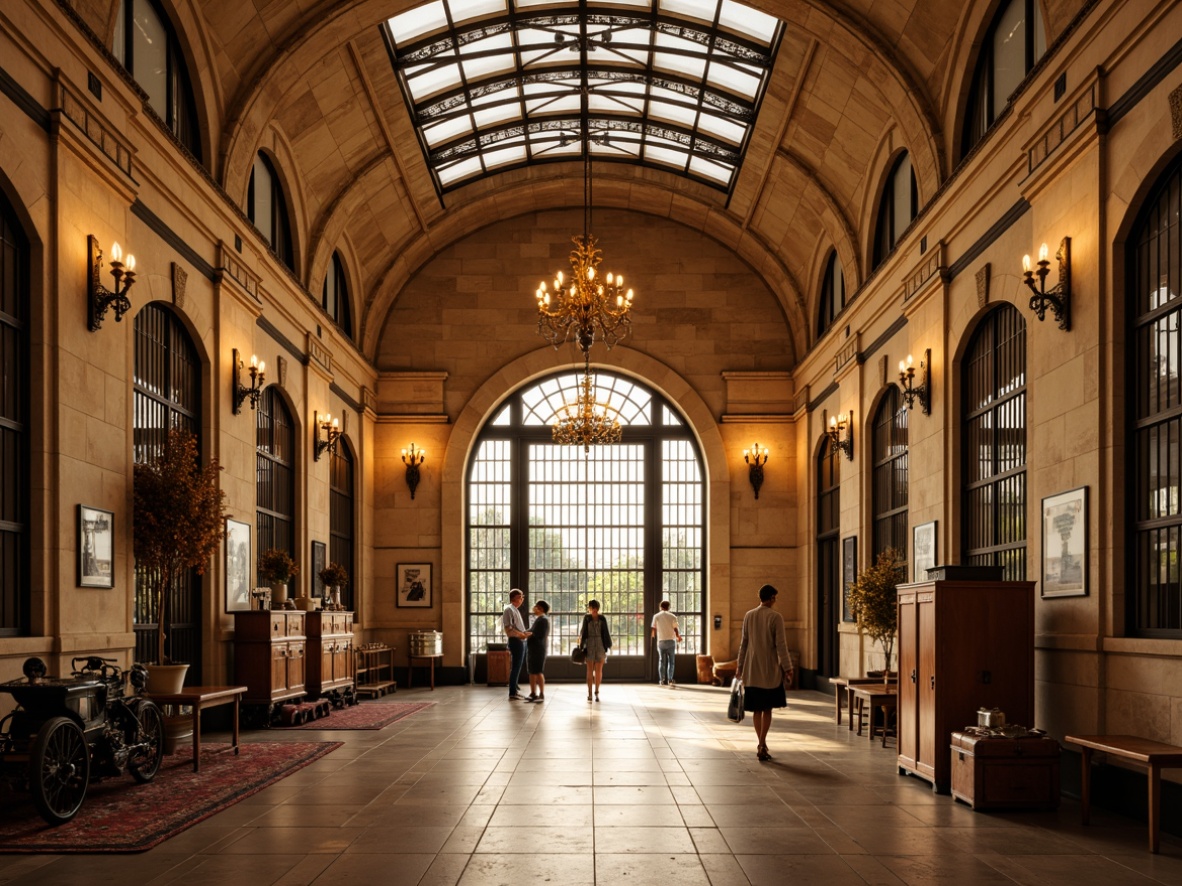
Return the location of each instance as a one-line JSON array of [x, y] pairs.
[[897, 207], [147, 45], [621, 523], [266, 206], [831, 602], [275, 481], [995, 444], [14, 424], [1013, 43], [340, 516], [335, 296], [890, 475], [832, 293], [1154, 472], [166, 394]]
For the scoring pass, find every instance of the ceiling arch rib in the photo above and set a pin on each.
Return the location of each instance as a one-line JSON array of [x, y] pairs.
[[499, 84]]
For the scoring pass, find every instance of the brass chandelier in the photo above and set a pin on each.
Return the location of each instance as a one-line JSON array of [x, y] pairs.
[[586, 422]]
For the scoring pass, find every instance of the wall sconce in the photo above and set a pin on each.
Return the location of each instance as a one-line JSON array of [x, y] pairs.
[[412, 458], [839, 425], [756, 458], [241, 392], [912, 391], [328, 432], [98, 297], [1058, 297]]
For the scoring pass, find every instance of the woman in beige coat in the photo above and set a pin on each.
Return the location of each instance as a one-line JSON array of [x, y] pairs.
[[763, 665]]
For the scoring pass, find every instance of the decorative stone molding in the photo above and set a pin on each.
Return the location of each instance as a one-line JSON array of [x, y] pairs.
[[230, 265], [281, 375], [1176, 112], [1074, 115], [846, 354], [97, 130], [983, 285], [369, 402], [753, 396], [930, 268], [318, 354], [180, 278], [411, 397], [801, 405]]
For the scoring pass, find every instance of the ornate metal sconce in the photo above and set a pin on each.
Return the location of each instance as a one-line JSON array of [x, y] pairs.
[[412, 458], [912, 391], [328, 432], [1058, 297], [242, 393], [840, 425], [98, 297], [756, 458]]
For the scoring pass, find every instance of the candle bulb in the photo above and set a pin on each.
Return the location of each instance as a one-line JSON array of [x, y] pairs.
[[1026, 263], [1042, 253], [116, 252]]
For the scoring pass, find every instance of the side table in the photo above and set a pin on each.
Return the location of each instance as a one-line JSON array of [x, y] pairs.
[[425, 661], [199, 698]]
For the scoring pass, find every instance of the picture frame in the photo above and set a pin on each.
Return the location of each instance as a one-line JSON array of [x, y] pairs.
[[924, 549], [319, 561], [413, 585], [1065, 544], [96, 547], [849, 574], [239, 564]]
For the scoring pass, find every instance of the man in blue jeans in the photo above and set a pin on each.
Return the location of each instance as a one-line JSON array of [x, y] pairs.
[[514, 626], [665, 630]]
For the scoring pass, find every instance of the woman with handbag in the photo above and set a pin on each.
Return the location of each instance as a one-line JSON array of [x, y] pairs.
[[764, 665], [595, 638]]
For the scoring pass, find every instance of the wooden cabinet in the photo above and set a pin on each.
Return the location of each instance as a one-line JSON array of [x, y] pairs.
[[962, 645], [269, 655], [330, 653]]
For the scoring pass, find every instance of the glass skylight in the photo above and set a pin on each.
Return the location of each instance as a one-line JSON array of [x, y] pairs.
[[498, 84]]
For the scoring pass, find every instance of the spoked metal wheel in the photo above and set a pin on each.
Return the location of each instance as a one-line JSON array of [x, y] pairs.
[[145, 762], [59, 770]]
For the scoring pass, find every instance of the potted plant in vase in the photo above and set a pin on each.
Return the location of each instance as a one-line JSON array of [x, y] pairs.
[[335, 577], [873, 601], [277, 568], [178, 522]]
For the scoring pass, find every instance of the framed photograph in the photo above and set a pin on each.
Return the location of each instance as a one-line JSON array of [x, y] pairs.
[[238, 566], [96, 547], [414, 585], [319, 561], [1065, 544], [849, 574], [923, 550]]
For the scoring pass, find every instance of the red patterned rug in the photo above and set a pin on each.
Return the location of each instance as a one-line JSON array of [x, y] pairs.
[[367, 715], [122, 816]]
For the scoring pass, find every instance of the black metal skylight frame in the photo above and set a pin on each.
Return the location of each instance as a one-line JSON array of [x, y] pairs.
[[553, 80]]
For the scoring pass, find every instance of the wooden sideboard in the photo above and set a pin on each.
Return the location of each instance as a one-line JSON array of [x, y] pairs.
[[330, 668], [269, 655]]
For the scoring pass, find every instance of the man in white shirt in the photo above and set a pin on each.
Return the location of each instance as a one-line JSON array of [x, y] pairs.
[[664, 628], [514, 626]]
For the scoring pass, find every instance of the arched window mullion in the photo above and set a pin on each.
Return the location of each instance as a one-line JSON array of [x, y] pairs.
[[15, 373]]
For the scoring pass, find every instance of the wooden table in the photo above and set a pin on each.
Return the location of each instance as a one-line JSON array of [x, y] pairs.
[[871, 697], [1154, 754], [426, 661], [199, 698], [844, 694]]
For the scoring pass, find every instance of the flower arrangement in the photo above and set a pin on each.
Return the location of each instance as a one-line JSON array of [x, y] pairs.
[[276, 567], [334, 575], [873, 600]]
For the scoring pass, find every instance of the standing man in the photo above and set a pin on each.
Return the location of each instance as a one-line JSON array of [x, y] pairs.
[[514, 626], [665, 630]]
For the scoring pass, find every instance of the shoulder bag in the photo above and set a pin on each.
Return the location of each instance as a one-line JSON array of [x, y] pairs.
[[578, 654], [734, 710]]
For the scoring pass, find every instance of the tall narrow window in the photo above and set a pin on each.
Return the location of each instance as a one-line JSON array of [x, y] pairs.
[[830, 599], [14, 424], [1154, 473], [266, 206], [340, 516], [1013, 44], [275, 489], [147, 45], [995, 444], [832, 293], [896, 209], [335, 297], [890, 475], [166, 394]]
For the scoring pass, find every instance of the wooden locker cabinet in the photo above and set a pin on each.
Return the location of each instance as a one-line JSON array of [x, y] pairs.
[[269, 655], [962, 645], [330, 655]]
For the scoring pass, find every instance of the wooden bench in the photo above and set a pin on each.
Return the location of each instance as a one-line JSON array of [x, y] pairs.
[[1154, 754]]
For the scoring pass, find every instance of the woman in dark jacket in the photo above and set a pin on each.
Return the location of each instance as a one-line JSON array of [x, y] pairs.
[[597, 640]]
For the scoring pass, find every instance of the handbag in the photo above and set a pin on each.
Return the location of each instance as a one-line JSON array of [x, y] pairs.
[[734, 710], [578, 654]]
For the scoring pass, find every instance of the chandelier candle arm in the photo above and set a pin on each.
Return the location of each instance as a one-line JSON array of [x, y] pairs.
[[912, 391], [841, 435], [1058, 297], [586, 422], [328, 434], [242, 393], [98, 297]]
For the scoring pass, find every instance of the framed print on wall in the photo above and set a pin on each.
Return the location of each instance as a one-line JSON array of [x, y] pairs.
[[923, 550], [849, 574], [319, 556], [96, 547], [238, 566], [1065, 544], [414, 585]]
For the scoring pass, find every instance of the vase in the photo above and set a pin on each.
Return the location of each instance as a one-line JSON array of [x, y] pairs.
[[307, 604], [278, 594], [166, 679], [178, 730], [336, 595]]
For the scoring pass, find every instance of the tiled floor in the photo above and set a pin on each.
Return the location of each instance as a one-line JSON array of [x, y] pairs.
[[650, 786]]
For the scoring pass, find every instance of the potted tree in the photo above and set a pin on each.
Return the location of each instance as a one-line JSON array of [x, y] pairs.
[[178, 522], [277, 568], [335, 577], [873, 601]]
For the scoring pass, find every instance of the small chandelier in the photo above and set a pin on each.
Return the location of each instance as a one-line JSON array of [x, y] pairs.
[[585, 422], [585, 306]]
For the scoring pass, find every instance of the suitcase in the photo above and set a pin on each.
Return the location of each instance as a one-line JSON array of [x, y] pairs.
[[995, 772]]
